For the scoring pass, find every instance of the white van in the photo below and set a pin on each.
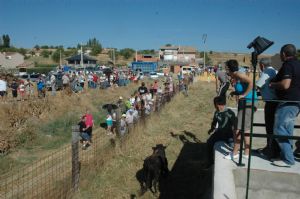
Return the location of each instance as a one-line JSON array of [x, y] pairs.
[[187, 69]]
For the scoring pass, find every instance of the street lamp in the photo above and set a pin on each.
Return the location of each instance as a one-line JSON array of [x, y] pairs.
[[204, 36]]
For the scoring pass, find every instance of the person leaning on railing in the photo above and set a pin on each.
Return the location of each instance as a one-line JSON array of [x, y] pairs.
[[243, 89], [271, 150], [287, 86]]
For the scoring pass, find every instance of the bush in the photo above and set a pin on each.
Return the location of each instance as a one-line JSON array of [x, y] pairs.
[[41, 70]]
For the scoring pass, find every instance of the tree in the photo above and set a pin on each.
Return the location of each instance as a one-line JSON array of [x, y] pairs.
[[37, 47], [22, 51], [95, 46], [6, 41], [151, 52], [1, 42], [127, 52], [70, 52], [207, 59], [44, 47], [56, 55], [45, 53]]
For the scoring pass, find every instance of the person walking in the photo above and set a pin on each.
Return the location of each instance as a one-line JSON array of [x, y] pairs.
[[287, 86]]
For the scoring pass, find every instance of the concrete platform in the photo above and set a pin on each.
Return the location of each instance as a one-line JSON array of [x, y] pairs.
[[266, 180]]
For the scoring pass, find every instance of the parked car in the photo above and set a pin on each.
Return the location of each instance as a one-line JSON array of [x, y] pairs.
[[33, 77], [153, 75]]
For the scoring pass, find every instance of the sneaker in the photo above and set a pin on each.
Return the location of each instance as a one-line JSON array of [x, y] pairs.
[[281, 163], [245, 156], [230, 156]]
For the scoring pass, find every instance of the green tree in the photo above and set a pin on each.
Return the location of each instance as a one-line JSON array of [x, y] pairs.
[[44, 47], [127, 52], [95, 46], [207, 58], [6, 41], [56, 55], [37, 47], [70, 52], [22, 51], [151, 52], [45, 53]]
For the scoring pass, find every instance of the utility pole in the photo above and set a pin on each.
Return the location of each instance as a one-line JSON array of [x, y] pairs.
[[114, 58], [204, 36], [60, 64], [81, 57]]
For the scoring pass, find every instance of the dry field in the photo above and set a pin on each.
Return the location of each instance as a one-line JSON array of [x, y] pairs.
[[32, 129], [182, 126]]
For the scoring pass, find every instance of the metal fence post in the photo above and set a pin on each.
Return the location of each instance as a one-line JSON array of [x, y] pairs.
[[75, 157]]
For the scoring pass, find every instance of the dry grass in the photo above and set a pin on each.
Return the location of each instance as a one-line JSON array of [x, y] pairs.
[[30, 128], [188, 118]]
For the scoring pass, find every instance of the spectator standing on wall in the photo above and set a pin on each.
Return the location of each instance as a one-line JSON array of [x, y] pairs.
[[287, 86], [271, 150]]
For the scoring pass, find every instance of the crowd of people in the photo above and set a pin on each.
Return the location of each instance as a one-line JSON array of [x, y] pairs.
[[19, 89], [122, 115], [281, 93]]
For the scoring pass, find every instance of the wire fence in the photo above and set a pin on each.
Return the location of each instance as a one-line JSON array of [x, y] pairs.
[[58, 174]]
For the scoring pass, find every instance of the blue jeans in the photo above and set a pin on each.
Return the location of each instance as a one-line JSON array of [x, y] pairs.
[[284, 125]]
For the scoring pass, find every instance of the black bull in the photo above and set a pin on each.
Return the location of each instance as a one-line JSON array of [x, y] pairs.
[[154, 167]]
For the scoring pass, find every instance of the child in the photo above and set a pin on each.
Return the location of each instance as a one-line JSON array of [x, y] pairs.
[[123, 125], [222, 126], [22, 90], [109, 123]]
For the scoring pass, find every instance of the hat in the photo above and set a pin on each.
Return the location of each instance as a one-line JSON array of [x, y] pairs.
[[124, 115]]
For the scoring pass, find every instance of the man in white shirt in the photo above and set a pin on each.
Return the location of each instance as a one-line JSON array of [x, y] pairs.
[[3, 88], [268, 73], [53, 84]]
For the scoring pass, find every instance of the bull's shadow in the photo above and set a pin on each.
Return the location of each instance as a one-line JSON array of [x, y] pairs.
[[190, 177]]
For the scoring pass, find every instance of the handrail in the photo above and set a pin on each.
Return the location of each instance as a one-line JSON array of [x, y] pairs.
[[257, 135]]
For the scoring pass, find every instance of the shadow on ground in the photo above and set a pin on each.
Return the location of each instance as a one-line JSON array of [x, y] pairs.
[[190, 177]]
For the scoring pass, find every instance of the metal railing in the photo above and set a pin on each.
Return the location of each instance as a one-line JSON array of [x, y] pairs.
[[258, 135]]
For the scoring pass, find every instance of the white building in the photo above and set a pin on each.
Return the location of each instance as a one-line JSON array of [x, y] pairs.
[[177, 54]]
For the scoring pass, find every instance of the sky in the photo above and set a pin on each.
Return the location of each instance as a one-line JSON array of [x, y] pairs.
[[230, 25]]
